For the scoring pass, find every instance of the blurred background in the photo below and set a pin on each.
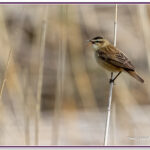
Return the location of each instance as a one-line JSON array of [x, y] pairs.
[[53, 92]]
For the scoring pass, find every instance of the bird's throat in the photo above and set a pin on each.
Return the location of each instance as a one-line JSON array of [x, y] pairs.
[[96, 47]]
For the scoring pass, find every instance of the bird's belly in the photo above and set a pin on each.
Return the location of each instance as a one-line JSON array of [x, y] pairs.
[[108, 66]]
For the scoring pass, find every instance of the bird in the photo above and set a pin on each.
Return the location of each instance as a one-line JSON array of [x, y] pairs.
[[112, 59]]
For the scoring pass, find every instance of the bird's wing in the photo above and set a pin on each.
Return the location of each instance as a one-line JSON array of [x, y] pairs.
[[116, 58]]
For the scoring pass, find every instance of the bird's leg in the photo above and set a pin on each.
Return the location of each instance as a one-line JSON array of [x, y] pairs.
[[111, 78], [116, 77]]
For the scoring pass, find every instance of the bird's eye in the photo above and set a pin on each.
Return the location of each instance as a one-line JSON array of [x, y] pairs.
[[98, 41]]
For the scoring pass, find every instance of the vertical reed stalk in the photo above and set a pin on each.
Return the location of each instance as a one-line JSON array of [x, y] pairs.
[[111, 87], [2, 87], [4, 77], [114, 104], [40, 77], [145, 24], [60, 76], [26, 109]]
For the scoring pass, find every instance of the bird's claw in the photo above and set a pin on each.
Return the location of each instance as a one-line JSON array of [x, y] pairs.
[[111, 81]]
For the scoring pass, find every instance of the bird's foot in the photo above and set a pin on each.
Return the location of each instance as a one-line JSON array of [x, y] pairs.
[[111, 81]]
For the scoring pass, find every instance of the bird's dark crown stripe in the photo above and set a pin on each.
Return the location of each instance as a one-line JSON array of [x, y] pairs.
[[98, 37]]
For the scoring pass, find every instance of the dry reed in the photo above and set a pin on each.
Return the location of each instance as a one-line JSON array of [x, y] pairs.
[[26, 109], [111, 87], [40, 77], [4, 79], [60, 76], [145, 24], [5, 73]]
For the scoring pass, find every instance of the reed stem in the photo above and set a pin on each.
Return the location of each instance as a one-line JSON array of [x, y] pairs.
[[5, 73], [111, 86], [60, 76], [40, 78]]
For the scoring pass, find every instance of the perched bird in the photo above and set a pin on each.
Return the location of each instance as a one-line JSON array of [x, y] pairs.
[[112, 59]]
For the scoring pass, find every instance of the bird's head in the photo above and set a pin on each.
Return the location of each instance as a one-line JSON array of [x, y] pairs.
[[98, 42]]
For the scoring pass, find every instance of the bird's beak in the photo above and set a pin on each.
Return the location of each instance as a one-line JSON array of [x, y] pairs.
[[89, 42]]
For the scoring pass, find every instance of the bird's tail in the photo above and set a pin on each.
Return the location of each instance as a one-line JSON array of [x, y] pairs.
[[136, 76]]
